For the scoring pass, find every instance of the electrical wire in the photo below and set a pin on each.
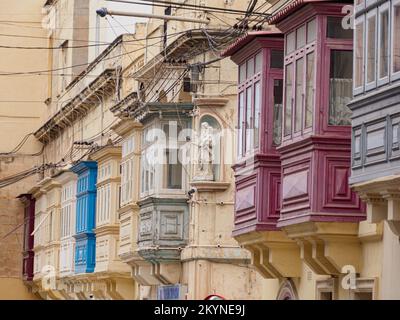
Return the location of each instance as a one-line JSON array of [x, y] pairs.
[[177, 5]]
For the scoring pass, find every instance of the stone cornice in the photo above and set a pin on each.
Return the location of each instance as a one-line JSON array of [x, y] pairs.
[[210, 102], [80, 104], [125, 126], [65, 176], [106, 153], [210, 186], [106, 229]]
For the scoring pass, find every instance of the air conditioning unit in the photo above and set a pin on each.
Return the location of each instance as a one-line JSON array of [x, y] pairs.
[[171, 292]]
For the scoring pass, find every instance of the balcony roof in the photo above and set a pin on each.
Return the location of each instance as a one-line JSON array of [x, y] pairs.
[[295, 5], [243, 41], [192, 42], [80, 104]]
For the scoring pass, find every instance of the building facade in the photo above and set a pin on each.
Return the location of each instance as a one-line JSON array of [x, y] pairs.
[[190, 157], [375, 132], [21, 110], [177, 209], [323, 158], [125, 212]]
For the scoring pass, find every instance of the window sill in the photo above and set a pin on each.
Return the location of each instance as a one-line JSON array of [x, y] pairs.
[[210, 186]]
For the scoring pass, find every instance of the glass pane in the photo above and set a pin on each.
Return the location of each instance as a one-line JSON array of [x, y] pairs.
[[257, 111], [249, 117], [174, 170], [301, 37], [299, 94], [396, 38], [290, 42], [384, 44], [395, 133], [371, 34], [250, 68], [242, 73], [278, 96], [240, 123], [277, 59], [336, 30], [288, 98], [357, 143], [310, 83], [311, 30], [359, 55], [258, 62], [375, 139], [340, 87]]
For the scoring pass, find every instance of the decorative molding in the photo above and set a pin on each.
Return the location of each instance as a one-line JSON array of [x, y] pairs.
[[210, 102], [210, 186]]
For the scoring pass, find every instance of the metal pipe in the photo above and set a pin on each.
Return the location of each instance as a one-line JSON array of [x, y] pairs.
[[104, 11]]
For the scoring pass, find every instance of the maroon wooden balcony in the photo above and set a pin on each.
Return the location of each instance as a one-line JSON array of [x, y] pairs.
[[259, 56]]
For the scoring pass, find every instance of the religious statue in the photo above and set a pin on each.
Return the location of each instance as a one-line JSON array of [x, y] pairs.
[[205, 166]]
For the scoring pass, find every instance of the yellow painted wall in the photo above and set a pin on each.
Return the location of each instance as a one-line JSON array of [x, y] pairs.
[[21, 109], [14, 289]]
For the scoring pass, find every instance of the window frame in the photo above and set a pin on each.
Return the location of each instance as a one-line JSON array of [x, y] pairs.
[[329, 48], [382, 8], [246, 135], [292, 59], [159, 172], [393, 75], [370, 85], [360, 89], [361, 6]]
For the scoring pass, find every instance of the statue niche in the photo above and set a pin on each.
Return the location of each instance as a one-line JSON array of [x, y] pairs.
[[205, 146]]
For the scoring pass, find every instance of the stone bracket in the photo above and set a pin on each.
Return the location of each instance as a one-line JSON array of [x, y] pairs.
[[273, 254]]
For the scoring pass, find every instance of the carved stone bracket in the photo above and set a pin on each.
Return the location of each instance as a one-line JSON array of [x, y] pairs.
[[326, 247], [273, 254]]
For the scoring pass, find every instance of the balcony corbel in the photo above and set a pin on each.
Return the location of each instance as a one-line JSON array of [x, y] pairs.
[[393, 210], [327, 246], [273, 254], [383, 201]]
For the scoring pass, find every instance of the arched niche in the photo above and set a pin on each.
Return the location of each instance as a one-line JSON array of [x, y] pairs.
[[287, 291], [217, 143]]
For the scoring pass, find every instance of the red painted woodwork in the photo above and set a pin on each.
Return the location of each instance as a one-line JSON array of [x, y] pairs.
[[258, 173], [29, 224], [316, 160]]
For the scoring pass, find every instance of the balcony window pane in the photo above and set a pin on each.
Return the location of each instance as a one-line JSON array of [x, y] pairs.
[[173, 170], [242, 73], [290, 42], [395, 133], [335, 29], [396, 38], [257, 112], [357, 144], [384, 44], [249, 118], [299, 94], [277, 59], [259, 62], [359, 55], [310, 89], [278, 96], [371, 58], [250, 68], [311, 30], [375, 139], [288, 98], [340, 87], [240, 124], [301, 37]]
